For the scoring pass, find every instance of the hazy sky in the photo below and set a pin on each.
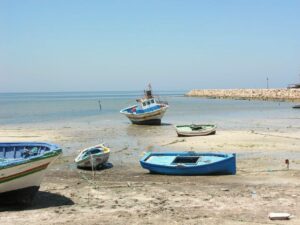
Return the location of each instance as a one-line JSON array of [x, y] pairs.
[[100, 45]]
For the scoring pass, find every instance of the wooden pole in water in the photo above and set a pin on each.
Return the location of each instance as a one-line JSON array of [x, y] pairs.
[[100, 107]]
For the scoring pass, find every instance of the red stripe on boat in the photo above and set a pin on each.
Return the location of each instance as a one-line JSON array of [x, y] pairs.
[[24, 172]]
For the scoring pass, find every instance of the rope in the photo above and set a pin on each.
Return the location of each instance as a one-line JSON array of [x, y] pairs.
[[273, 135]]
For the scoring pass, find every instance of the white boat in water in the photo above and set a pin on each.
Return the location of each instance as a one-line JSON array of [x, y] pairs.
[[93, 157], [22, 167], [148, 111]]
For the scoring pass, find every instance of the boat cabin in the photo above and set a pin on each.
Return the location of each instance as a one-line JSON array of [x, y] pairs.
[[146, 105]]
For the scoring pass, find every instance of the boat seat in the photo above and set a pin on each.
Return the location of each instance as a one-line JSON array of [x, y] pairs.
[[18, 153], [25, 153], [2, 150], [9, 153], [186, 160]]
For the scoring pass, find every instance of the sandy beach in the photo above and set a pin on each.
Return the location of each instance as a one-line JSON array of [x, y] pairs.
[[124, 193]]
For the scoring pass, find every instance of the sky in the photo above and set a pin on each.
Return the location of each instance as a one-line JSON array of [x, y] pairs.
[[86, 45]]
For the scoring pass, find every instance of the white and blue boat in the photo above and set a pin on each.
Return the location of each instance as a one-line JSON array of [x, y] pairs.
[[189, 163], [93, 157], [148, 111], [22, 167]]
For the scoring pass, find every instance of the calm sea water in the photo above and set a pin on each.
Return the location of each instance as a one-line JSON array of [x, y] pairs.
[[20, 108]]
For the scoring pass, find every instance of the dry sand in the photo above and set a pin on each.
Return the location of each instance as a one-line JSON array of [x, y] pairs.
[[124, 193]]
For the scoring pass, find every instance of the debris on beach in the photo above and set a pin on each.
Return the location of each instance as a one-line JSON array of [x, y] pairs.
[[150, 148], [224, 189], [279, 216], [287, 163], [123, 149], [253, 194], [174, 142]]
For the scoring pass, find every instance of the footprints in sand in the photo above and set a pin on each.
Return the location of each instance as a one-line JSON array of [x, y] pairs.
[[164, 201]]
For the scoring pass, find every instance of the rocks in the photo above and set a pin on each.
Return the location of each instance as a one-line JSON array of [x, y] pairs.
[[259, 94]]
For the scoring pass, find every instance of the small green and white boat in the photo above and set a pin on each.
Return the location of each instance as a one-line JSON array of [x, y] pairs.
[[195, 130], [93, 157]]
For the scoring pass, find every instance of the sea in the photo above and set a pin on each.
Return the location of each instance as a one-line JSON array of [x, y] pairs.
[[28, 108]]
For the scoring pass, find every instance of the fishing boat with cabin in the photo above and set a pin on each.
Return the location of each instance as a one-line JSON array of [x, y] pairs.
[[93, 157], [22, 167], [148, 111], [189, 163]]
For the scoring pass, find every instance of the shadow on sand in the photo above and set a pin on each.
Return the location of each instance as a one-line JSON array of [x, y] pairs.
[[166, 124], [151, 125], [42, 200]]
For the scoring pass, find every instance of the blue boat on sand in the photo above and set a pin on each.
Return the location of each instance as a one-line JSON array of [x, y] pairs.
[[189, 163]]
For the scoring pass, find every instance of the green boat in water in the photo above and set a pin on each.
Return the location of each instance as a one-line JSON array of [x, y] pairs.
[[195, 130]]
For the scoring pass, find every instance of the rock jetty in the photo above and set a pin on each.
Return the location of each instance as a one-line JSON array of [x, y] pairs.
[[292, 94]]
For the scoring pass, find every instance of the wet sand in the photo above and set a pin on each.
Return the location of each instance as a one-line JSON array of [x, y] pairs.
[[124, 193]]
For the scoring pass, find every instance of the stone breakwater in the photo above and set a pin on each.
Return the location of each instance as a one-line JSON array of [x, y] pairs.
[[292, 95]]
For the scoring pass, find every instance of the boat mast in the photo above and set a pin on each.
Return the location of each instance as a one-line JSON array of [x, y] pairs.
[[148, 92]]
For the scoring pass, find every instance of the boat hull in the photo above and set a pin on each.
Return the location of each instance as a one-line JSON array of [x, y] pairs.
[[149, 118], [179, 134], [147, 122], [224, 167]]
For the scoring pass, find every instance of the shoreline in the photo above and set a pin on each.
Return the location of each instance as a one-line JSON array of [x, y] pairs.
[[288, 95]]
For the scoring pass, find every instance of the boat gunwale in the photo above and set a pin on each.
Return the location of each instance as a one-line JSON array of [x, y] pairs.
[[55, 151], [189, 125], [88, 157], [162, 108]]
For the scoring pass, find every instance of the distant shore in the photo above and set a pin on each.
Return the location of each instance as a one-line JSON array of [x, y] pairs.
[[291, 95]]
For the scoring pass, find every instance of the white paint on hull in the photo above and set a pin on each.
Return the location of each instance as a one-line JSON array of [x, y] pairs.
[[97, 161], [29, 180], [195, 133]]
